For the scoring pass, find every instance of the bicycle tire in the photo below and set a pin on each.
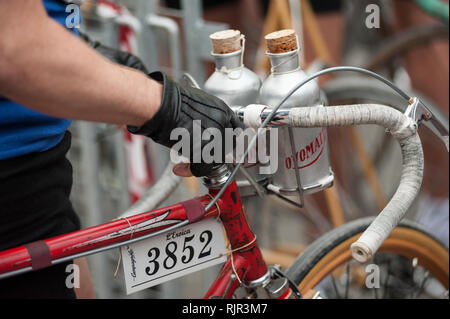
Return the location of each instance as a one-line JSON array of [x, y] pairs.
[[404, 41], [366, 89], [332, 249]]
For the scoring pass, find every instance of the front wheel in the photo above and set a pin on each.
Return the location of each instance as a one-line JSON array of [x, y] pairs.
[[409, 264]]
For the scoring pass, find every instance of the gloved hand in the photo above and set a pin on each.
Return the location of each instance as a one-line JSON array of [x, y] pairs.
[[117, 56], [179, 108]]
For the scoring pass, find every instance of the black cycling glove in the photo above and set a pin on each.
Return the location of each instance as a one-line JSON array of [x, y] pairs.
[[180, 107], [117, 56]]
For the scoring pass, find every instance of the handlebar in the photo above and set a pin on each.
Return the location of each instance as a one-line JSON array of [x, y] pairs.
[[402, 127]]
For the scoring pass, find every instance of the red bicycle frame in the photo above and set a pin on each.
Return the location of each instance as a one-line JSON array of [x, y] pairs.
[[246, 262]]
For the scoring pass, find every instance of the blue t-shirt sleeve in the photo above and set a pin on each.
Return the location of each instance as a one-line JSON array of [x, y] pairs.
[[58, 11], [22, 130]]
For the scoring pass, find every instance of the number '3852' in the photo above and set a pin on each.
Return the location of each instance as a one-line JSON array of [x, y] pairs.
[[172, 258]]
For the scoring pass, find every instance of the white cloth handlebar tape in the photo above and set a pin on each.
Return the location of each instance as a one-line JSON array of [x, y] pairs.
[[252, 115], [404, 129]]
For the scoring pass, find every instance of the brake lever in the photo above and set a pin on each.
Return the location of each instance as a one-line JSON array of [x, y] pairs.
[[419, 112]]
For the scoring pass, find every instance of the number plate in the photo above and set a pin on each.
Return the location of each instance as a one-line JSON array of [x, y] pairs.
[[173, 254]]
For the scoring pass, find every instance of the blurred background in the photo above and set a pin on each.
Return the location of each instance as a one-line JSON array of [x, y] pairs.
[[410, 46]]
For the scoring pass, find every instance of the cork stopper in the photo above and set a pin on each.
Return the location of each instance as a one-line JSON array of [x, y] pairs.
[[227, 41], [281, 41]]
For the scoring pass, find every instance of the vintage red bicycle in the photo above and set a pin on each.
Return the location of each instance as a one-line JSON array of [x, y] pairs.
[[245, 273]]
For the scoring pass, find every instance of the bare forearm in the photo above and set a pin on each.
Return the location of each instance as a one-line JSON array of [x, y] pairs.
[[53, 72]]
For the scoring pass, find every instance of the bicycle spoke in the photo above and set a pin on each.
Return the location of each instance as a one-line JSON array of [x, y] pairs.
[[347, 271], [422, 284], [386, 286], [335, 287], [375, 291], [391, 275]]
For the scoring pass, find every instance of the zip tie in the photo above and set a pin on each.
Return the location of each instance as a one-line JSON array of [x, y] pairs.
[[120, 255]]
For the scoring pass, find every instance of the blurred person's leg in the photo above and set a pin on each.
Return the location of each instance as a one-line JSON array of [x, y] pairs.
[[35, 205]]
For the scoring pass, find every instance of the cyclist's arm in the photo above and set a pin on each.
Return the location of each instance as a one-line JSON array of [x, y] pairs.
[[49, 70]]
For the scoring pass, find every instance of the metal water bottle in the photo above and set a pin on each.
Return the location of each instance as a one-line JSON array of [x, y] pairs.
[[236, 85], [303, 152]]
